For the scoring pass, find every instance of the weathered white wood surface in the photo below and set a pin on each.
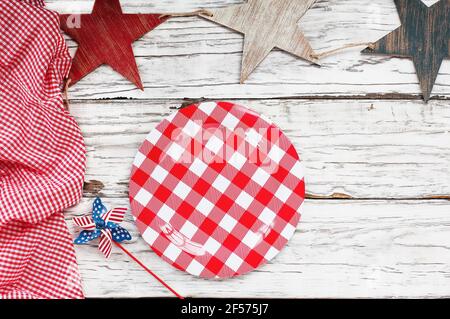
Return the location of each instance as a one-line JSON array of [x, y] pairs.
[[341, 249], [377, 158], [356, 149], [192, 57]]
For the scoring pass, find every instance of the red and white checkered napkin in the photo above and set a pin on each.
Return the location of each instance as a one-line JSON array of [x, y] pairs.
[[216, 190], [42, 156]]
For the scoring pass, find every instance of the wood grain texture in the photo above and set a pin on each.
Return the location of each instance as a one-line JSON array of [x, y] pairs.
[[341, 249], [184, 57], [266, 24], [423, 36], [356, 149], [375, 166]]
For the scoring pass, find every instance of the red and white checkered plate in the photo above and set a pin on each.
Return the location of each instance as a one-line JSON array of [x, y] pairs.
[[216, 190]]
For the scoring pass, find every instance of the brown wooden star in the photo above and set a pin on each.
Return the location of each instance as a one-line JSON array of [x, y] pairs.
[[423, 36], [266, 24], [105, 37]]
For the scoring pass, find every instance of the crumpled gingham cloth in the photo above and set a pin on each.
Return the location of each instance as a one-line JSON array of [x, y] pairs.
[[42, 156]]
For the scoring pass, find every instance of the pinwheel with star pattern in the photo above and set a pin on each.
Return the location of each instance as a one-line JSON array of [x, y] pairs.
[[103, 224]]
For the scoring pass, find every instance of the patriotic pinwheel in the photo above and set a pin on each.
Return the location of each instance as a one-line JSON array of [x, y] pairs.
[[103, 224]]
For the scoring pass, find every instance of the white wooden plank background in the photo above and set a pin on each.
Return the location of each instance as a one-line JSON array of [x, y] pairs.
[[377, 158], [341, 249]]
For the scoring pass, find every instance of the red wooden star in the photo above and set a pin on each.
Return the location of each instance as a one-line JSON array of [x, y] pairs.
[[105, 37]]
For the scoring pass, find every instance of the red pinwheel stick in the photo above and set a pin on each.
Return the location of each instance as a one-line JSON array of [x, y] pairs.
[[149, 271]]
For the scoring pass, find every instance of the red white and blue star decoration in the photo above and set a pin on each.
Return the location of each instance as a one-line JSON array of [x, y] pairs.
[[103, 224]]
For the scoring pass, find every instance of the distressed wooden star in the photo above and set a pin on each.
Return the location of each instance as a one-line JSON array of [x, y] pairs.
[[266, 24], [105, 37], [423, 36]]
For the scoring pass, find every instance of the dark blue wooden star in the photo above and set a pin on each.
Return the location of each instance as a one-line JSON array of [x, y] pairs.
[[423, 36]]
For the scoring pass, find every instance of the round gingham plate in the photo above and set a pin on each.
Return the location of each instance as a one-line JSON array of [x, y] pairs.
[[216, 190]]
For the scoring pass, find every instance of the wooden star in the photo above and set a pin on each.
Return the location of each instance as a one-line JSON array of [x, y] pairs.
[[105, 37], [266, 24], [423, 36]]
